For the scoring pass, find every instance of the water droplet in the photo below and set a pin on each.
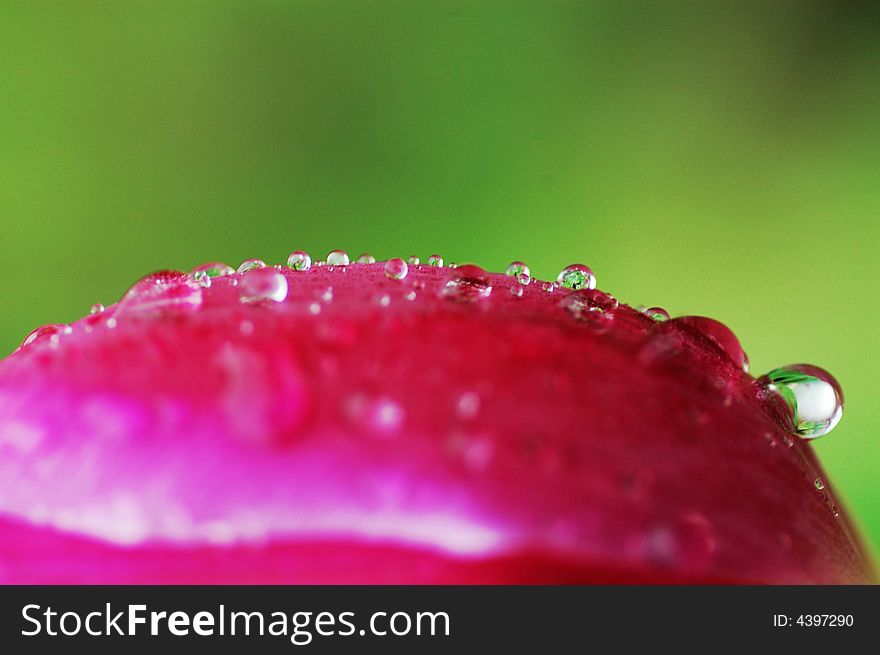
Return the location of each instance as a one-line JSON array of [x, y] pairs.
[[467, 283], [576, 276], [213, 269], [819, 484], [263, 284], [250, 265], [396, 269], [520, 271], [97, 308], [337, 258], [435, 260], [812, 395], [203, 279], [299, 261], [549, 287], [326, 295], [112, 323], [411, 295], [516, 290], [412, 260], [42, 333], [163, 290], [719, 334], [656, 313], [315, 309]]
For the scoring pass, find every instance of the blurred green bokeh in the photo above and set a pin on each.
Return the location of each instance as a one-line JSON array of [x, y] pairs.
[[719, 159]]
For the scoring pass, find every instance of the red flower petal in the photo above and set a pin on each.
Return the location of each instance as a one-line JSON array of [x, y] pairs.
[[434, 428]]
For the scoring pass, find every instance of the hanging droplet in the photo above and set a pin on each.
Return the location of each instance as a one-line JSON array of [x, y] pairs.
[[719, 334], [396, 269], [263, 284], [656, 313], [97, 308], [337, 258], [412, 260], [299, 261], [366, 258], [467, 283], [515, 269], [576, 276], [213, 269], [435, 260], [250, 265], [813, 396]]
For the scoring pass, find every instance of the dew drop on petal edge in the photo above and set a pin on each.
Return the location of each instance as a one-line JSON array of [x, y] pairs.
[[299, 261], [251, 264], [213, 269], [412, 260], [337, 258], [576, 276], [435, 260], [520, 271], [656, 313], [813, 397], [366, 258], [396, 269]]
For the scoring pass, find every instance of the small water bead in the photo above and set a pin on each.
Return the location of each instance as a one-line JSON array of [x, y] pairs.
[[549, 287], [263, 284], [819, 484], [299, 261], [396, 269], [516, 290], [366, 258], [656, 313], [576, 276], [202, 278], [213, 269], [517, 269], [410, 295], [524, 279], [719, 334], [812, 394], [412, 260], [97, 308], [435, 260], [337, 258], [250, 265]]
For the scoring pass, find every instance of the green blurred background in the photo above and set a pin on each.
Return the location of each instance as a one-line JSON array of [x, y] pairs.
[[719, 159]]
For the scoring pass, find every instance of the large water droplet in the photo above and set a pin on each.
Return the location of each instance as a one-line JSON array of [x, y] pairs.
[[812, 394], [719, 334], [337, 258], [263, 284], [396, 269], [467, 283], [250, 265], [576, 276], [163, 290], [435, 260], [42, 333]]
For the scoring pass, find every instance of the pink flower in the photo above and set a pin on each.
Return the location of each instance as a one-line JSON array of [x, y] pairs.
[[344, 424]]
